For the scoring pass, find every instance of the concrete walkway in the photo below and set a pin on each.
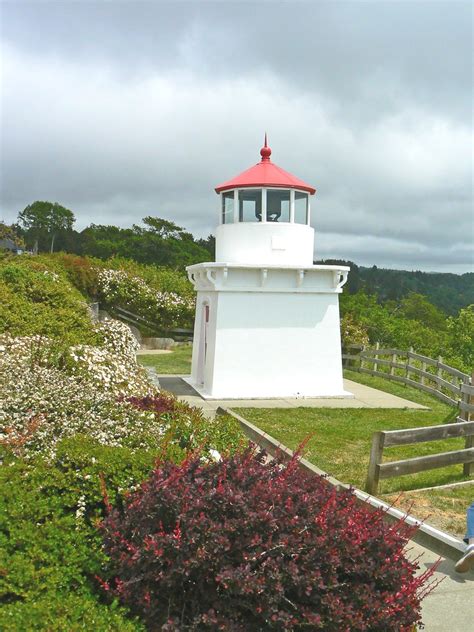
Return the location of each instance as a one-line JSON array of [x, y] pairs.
[[450, 607], [364, 397], [148, 352]]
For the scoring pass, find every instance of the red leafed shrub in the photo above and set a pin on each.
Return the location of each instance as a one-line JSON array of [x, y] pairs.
[[158, 404], [242, 545]]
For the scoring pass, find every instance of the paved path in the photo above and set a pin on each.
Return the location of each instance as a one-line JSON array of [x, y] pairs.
[[450, 607], [147, 352], [364, 397]]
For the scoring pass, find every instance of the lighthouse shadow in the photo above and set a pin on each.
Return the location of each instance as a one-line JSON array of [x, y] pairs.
[[177, 386]]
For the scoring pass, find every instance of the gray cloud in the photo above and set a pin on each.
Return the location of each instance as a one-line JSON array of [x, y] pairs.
[[120, 110]]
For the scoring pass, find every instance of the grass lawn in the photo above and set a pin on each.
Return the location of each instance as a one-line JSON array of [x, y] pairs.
[[178, 361], [341, 439], [445, 508], [395, 388]]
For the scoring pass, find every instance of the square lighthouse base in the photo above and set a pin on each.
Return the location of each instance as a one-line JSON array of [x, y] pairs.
[[199, 389], [267, 345]]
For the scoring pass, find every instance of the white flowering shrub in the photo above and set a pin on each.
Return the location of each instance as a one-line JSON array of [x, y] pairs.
[[117, 337], [113, 367], [166, 309], [48, 393]]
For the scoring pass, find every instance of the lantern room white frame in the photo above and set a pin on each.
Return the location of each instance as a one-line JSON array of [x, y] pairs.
[[263, 192]]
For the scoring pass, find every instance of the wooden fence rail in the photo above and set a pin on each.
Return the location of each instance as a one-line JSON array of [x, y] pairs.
[[413, 369], [140, 321], [381, 440]]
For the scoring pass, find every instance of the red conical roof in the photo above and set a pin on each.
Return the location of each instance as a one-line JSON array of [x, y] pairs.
[[265, 174]]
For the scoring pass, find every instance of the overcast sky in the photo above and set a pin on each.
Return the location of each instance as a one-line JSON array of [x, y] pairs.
[[119, 110]]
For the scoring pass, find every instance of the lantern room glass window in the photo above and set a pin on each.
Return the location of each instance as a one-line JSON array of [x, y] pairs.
[[278, 205], [250, 205], [301, 208], [228, 207]]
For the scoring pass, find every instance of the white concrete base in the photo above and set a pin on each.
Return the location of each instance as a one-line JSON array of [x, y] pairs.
[[281, 395], [267, 333]]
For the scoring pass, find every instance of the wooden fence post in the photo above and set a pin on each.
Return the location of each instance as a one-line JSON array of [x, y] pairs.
[[392, 368], [423, 368], [439, 372], [373, 474], [377, 347], [468, 468], [455, 381], [361, 353], [407, 365]]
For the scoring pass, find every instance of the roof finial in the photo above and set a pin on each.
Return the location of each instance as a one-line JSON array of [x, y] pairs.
[[265, 152]]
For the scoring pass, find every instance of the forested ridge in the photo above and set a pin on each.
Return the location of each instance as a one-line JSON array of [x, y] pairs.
[[449, 292]]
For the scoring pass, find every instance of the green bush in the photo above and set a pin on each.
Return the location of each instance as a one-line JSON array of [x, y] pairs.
[[37, 300], [50, 551], [58, 612], [48, 294], [461, 329], [188, 429], [414, 322], [81, 271], [50, 548], [164, 309], [158, 277]]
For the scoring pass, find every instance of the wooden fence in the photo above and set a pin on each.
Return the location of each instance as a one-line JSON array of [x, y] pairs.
[[140, 322], [427, 374], [425, 534], [384, 439]]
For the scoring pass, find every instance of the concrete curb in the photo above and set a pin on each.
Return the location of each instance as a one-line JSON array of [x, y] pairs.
[[426, 535], [153, 376]]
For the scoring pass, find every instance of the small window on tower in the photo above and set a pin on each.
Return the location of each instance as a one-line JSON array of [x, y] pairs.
[[278, 206], [228, 207], [250, 205], [301, 208]]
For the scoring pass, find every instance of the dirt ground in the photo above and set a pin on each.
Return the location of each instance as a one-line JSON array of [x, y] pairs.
[[444, 508]]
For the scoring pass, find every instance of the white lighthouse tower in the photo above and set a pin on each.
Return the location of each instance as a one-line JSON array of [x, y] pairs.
[[267, 319]]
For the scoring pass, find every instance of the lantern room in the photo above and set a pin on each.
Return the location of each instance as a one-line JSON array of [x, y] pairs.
[[265, 216]]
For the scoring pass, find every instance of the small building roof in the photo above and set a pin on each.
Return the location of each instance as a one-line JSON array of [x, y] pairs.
[[265, 174], [8, 244]]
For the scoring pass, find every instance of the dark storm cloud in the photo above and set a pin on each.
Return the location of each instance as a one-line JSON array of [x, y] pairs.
[[120, 110], [335, 48]]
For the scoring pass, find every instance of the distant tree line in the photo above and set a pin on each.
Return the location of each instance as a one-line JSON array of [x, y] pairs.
[[449, 292], [49, 227]]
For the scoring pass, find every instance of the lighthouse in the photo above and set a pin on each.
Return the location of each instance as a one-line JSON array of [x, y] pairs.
[[267, 320]]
